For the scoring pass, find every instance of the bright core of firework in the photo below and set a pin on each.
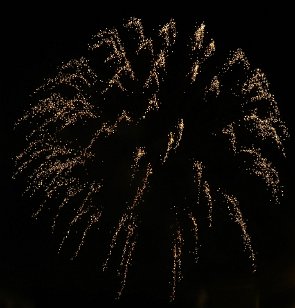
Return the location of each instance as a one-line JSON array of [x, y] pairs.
[[92, 102]]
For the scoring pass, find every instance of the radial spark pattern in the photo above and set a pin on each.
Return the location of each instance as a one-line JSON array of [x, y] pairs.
[[105, 125]]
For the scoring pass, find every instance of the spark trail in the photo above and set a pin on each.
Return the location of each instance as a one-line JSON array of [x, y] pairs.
[[109, 116]]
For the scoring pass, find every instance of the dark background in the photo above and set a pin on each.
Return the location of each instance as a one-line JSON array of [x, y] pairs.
[[33, 42]]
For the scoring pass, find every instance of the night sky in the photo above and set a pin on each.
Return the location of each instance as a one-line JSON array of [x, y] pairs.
[[33, 275]]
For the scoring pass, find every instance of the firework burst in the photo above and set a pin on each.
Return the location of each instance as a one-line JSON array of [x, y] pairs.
[[141, 104]]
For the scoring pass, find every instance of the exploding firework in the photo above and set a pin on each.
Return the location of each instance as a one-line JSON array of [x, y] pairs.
[[144, 106]]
